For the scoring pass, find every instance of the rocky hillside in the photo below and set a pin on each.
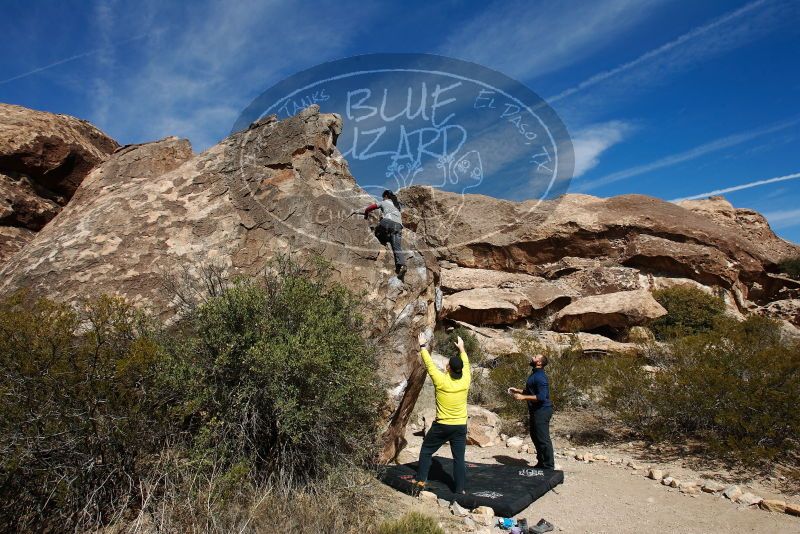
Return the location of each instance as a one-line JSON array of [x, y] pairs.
[[43, 159], [142, 212]]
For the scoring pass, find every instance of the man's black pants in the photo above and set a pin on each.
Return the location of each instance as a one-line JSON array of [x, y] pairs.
[[540, 434], [437, 436]]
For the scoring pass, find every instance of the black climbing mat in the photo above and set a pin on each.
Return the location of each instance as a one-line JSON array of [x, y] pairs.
[[507, 489]]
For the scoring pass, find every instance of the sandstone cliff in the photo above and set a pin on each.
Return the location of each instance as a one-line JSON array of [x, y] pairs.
[[276, 188], [507, 263], [43, 159]]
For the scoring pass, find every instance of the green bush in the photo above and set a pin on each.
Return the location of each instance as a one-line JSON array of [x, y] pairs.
[[276, 375], [790, 267], [411, 523], [267, 383], [444, 343], [689, 311], [735, 387], [573, 377], [79, 411]]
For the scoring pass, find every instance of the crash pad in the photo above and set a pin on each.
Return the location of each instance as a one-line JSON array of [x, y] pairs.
[[507, 489]]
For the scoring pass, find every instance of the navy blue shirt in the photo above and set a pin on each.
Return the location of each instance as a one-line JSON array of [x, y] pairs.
[[538, 385]]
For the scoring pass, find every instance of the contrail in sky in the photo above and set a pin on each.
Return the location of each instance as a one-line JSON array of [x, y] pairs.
[[696, 152], [67, 60], [602, 76], [740, 187]]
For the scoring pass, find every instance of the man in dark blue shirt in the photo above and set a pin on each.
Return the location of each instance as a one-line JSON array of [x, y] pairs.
[[540, 410]]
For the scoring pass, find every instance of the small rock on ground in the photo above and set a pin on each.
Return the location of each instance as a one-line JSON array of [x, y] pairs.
[[483, 510], [772, 505], [748, 499], [458, 510], [428, 496], [732, 492], [712, 487]]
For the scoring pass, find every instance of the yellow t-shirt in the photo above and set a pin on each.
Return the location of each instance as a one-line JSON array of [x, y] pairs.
[[451, 395]]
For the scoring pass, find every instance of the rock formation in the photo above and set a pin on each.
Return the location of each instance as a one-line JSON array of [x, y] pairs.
[[281, 187], [612, 310], [588, 263], [276, 188], [43, 159]]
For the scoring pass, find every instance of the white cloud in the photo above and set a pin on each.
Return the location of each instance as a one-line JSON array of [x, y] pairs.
[[696, 152], [527, 39], [590, 142], [203, 62], [783, 218]]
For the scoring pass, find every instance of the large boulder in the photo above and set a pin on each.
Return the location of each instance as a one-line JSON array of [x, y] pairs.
[[279, 187], [486, 297], [613, 311], [43, 159], [483, 427], [499, 306], [716, 246]]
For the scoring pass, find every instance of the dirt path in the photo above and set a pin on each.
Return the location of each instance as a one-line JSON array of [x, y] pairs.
[[599, 497]]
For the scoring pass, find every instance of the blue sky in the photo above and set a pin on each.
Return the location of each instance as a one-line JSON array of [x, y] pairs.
[[669, 98]]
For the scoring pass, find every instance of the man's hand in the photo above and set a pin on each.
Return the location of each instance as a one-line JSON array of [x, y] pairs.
[[518, 396], [511, 391], [423, 340], [460, 344]]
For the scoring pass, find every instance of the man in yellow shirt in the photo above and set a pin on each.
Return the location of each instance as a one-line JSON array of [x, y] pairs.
[[451, 414]]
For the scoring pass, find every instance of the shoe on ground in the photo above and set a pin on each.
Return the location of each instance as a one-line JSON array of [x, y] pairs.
[[541, 527]]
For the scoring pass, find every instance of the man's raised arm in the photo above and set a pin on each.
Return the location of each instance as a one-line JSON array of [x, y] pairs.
[[436, 374]]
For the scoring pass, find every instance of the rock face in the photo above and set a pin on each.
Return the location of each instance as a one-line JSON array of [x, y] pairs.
[[613, 310], [483, 296], [43, 159], [276, 188], [541, 262]]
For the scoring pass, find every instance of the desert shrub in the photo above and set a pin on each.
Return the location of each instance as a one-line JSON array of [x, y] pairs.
[[510, 371], [735, 387], [187, 500], [444, 343], [275, 375], [689, 311], [265, 390], [411, 523], [574, 378], [79, 411], [790, 267]]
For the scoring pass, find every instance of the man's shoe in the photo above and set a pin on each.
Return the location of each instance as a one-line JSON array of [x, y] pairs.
[[401, 272], [541, 527]]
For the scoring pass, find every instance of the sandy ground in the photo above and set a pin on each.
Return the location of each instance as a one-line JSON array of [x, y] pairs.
[[599, 497]]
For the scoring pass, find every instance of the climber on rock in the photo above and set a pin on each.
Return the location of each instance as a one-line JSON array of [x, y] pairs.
[[390, 228]]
